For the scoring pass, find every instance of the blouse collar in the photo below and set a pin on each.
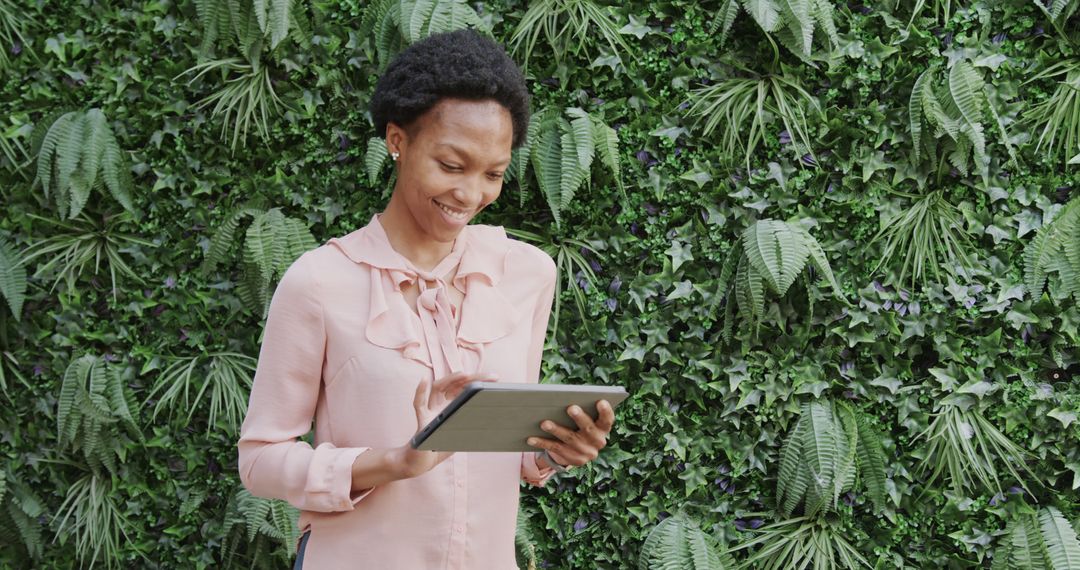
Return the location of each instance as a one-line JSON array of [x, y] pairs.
[[486, 315], [483, 251]]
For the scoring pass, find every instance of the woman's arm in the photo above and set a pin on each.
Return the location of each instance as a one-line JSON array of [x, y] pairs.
[[273, 461], [380, 466]]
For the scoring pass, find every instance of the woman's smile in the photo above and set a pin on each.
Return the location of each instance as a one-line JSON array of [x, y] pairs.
[[453, 215]]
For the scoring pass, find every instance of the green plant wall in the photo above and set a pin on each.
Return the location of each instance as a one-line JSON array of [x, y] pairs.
[[846, 231]]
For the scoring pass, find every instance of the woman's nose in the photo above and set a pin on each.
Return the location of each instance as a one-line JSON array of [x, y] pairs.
[[468, 193]]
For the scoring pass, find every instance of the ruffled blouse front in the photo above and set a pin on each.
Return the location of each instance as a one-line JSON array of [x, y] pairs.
[[342, 346]]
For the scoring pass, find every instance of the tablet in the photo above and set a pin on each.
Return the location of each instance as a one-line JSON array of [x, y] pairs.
[[494, 416]]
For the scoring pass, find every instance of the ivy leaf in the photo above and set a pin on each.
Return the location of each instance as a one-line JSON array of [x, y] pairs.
[[1066, 417], [679, 253]]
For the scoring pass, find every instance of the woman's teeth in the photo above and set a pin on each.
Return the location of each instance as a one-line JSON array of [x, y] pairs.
[[456, 214]]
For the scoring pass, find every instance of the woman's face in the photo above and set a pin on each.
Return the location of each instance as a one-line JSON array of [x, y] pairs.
[[451, 162]]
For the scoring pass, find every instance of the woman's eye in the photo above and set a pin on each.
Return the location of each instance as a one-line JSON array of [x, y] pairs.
[[451, 167], [495, 175]]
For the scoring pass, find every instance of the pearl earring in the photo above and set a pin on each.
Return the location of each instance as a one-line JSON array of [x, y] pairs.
[[395, 156]]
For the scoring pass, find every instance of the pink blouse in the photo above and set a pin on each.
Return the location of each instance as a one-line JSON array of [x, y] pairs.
[[341, 345]]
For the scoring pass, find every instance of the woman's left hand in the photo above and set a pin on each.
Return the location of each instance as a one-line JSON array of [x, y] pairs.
[[580, 446]]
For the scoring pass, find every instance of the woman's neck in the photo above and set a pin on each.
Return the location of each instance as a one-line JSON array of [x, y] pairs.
[[408, 239]]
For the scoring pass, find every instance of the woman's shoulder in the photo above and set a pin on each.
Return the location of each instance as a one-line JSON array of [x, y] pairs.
[[521, 260]]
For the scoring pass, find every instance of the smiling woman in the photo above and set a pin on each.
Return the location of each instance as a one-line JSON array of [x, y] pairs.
[[373, 333]]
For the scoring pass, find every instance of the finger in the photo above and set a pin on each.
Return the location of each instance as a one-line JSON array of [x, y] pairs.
[[563, 453], [456, 385], [586, 427], [607, 416], [560, 432], [423, 393], [441, 383]]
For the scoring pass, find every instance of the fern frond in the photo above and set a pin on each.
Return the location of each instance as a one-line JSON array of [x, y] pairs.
[[68, 415], [871, 462], [677, 542], [607, 141], [765, 12], [13, 283], [375, 159], [547, 163], [577, 148], [915, 112], [1062, 546], [725, 19], [791, 482]]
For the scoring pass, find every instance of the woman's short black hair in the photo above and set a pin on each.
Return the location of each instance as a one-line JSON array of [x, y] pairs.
[[461, 64]]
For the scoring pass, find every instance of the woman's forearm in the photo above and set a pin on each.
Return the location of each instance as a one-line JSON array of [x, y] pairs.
[[377, 467]]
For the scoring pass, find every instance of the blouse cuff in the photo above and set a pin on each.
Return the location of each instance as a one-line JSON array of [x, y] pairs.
[[329, 481], [531, 472]]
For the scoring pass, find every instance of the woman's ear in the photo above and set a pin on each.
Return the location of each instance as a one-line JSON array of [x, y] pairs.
[[396, 138]]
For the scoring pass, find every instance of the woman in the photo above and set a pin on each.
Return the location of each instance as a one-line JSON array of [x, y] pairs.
[[373, 333]]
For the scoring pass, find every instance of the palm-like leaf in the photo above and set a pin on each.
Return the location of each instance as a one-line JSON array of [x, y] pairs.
[[1059, 116], [743, 108], [225, 376], [392, 25], [76, 244], [562, 148], [568, 27], [928, 236], [271, 243], [955, 107], [967, 447], [245, 99], [801, 542], [92, 514]]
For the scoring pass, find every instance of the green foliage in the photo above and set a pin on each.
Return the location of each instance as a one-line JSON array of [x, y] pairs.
[[823, 136], [247, 97], [12, 278], [92, 515], [20, 509], [562, 147], [1059, 11], [1059, 115], [1038, 541], [225, 375], [769, 257], [796, 23], [75, 244], [925, 238], [12, 24], [567, 27], [78, 153], [821, 456], [269, 525], [677, 543], [802, 542], [271, 243], [246, 25], [965, 446], [391, 25], [1055, 249], [744, 107], [524, 544], [92, 399], [954, 106]]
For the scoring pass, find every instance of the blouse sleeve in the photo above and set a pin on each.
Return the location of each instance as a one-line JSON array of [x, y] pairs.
[[530, 472], [273, 463]]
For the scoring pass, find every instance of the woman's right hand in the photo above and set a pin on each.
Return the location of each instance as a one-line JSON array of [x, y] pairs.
[[430, 399]]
